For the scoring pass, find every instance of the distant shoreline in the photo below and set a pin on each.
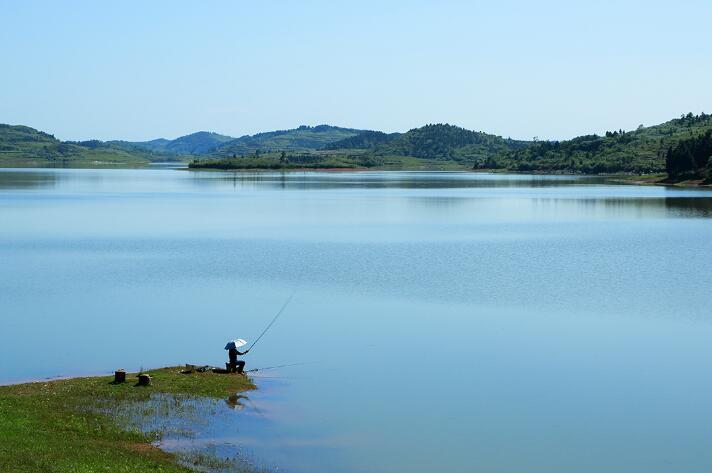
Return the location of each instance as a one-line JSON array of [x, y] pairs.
[[661, 180], [622, 178]]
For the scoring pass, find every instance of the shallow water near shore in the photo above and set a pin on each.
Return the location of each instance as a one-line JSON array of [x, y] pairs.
[[454, 321]]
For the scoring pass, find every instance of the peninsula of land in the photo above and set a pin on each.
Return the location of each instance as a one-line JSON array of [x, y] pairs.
[[81, 424]]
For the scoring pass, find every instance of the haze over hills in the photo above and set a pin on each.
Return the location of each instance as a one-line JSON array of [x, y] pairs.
[[201, 142], [365, 140], [303, 138]]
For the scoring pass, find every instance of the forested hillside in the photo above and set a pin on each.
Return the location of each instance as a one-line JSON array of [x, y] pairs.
[[448, 143], [691, 158], [640, 151]]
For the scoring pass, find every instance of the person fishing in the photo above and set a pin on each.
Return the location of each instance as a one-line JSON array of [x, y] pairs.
[[238, 366], [235, 365]]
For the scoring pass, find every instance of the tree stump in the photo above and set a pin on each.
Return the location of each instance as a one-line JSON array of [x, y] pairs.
[[119, 376], [144, 380]]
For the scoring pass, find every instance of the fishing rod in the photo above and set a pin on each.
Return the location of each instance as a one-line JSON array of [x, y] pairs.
[[253, 370], [289, 299], [204, 368]]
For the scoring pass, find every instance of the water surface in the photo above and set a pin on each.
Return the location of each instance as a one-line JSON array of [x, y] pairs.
[[458, 322]]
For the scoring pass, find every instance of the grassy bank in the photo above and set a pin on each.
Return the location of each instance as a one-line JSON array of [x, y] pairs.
[[58, 425], [662, 179]]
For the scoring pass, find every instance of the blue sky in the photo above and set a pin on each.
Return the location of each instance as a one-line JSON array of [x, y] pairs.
[[551, 69]]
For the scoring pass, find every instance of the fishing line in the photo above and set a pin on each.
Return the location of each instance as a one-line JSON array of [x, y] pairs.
[[273, 320], [281, 378]]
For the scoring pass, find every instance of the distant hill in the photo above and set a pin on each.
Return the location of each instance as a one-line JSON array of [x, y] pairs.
[[202, 142], [304, 138], [21, 144], [640, 151], [24, 140], [364, 140], [447, 142], [153, 145], [439, 146]]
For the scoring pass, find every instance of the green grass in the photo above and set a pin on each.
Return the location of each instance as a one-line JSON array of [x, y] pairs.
[[56, 426], [409, 163], [72, 156], [210, 461], [22, 146]]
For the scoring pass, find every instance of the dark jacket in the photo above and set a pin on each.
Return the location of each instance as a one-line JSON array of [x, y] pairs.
[[232, 353]]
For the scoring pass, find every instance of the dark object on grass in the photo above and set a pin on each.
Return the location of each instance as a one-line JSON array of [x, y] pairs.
[[190, 369], [119, 376], [144, 380]]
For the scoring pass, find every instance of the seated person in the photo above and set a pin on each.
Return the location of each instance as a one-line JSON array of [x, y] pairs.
[[236, 366]]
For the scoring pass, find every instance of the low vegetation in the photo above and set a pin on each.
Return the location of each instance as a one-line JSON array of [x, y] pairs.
[[325, 160], [283, 160], [65, 426]]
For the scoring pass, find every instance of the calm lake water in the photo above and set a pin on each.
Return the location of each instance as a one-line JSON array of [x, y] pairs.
[[455, 322]]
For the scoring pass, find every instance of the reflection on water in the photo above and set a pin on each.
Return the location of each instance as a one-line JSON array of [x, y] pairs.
[[590, 195], [198, 428], [27, 180], [230, 431], [689, 206], [383, 180], [235, 401], [460, 322], [632, 207]]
